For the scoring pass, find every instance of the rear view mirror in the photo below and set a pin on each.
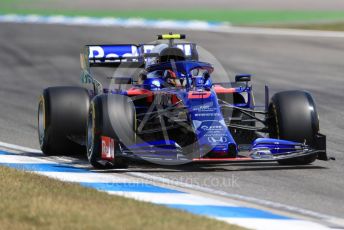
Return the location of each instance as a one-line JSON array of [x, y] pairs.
[[206, 76], [243, 78]]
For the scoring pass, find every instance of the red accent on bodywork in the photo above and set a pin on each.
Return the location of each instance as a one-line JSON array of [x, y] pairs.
[[108, 148], [198, 95], [174, 99], [139, 91], [220, 89]]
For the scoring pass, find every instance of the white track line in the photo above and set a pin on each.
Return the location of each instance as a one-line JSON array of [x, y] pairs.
[[86, 177], [163, 24], [156, 179], [262, 224], [108, 22], [24, 160], [167, 198]]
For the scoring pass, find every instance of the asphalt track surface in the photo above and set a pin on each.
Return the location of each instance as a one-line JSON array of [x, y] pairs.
[[33, 57]]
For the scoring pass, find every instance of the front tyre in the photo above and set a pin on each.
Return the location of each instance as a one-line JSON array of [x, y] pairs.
[[110, 116], [293, 116]]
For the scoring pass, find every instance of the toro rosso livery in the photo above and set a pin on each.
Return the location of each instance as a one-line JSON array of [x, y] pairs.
[[168, 109]]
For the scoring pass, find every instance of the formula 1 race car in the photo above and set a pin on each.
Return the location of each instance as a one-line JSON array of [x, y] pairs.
[[169, 111]]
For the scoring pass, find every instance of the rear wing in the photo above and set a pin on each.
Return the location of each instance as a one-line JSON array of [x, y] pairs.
[[125, 55]]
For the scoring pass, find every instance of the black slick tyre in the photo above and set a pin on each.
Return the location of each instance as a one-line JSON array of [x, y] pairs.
[[293, 116], [110, 116], [62, 120]]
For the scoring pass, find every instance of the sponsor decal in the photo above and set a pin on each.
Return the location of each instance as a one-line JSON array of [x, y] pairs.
[[186, 48], [222, 139], [207, 114], [108, 148], [212, 127], [204, 127], [208, 107], [111, 53]]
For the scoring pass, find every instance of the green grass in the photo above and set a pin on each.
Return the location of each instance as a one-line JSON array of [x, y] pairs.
[[238, 17], [336, 26], [31, 201], [321, 20]]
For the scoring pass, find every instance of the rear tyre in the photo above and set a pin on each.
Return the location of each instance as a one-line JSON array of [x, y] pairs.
[[111, 116], [62, 119], [293, 116]]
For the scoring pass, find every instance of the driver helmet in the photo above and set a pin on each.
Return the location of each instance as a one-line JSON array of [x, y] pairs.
[[171, 78]]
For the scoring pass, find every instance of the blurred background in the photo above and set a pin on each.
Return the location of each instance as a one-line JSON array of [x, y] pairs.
[[306, 14]]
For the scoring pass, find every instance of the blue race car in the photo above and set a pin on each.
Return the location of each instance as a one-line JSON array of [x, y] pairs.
[[168, 110]]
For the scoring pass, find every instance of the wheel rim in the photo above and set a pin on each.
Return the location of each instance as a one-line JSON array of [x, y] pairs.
[[41, 122]]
